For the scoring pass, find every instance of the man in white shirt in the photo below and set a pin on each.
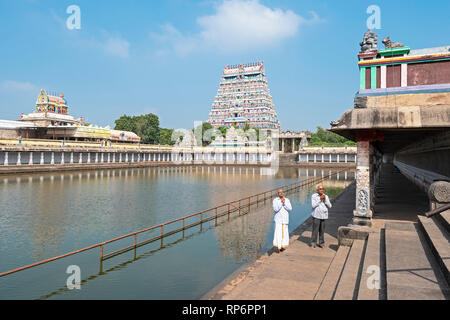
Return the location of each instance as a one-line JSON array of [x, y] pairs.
[[281, 208], [320, 205]]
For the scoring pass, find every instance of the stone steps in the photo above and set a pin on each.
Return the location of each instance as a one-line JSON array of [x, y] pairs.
[[329, 283], [370, 286], [411, 270], [348, 285], [437, 235]]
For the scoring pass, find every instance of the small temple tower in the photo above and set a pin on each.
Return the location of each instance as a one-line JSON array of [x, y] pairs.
[[244, 98]]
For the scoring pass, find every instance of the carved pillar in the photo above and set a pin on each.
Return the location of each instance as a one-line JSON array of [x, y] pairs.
[[363, 193]]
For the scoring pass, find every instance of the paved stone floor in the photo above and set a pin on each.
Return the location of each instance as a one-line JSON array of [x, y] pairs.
[[295, 274]]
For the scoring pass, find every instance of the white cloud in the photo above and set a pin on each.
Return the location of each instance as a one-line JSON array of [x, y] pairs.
[[116, 46], [237, 25], [18, 87]]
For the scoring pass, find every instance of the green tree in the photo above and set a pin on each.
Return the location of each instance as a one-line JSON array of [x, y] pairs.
[[146, 126], [125, 123], [323, 137], [165, 137], [200, 131], [223, 130]]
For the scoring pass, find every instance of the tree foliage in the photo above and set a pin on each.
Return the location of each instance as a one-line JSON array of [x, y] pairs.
[[165, 137], [323, 137], [146, 126]]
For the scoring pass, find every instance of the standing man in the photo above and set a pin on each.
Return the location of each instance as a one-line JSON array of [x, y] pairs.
[[320, 205], [281, 208]]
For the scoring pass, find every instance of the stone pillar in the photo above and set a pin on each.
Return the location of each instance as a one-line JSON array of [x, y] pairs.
[[71, 157], [42, 158], [62, 157], [18, 158], [52, 161], [282, 145], [30, 162], [293, 145], [89, 157], [362, 214]]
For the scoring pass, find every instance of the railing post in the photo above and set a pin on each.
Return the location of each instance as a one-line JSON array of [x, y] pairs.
[[101, 252], [183, 227], [162, 234], [201, 222]]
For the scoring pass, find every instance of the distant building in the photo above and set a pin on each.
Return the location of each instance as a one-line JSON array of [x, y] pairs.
[[51, 120], [50, 110], [244, 98]]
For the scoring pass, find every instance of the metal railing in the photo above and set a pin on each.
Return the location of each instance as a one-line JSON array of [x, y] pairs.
[[436, 211], [203, 216]]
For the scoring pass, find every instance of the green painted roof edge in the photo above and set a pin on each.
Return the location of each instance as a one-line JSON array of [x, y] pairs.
[[400, 50]]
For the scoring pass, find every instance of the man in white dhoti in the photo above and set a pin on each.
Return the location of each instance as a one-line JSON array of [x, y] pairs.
[[281, 208]]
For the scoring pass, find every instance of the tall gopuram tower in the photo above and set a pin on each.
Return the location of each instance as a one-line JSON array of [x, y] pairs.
[[244, 97]]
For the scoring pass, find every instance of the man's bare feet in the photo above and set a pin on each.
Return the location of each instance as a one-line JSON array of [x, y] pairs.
[[282, 249]]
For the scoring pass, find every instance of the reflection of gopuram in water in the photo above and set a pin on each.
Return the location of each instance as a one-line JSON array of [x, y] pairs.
[[243, 239]]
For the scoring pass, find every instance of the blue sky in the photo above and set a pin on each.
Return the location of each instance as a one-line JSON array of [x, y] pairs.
[[166, 57]]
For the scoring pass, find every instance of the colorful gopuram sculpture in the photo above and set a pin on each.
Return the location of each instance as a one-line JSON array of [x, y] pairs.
[[244, 98]]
